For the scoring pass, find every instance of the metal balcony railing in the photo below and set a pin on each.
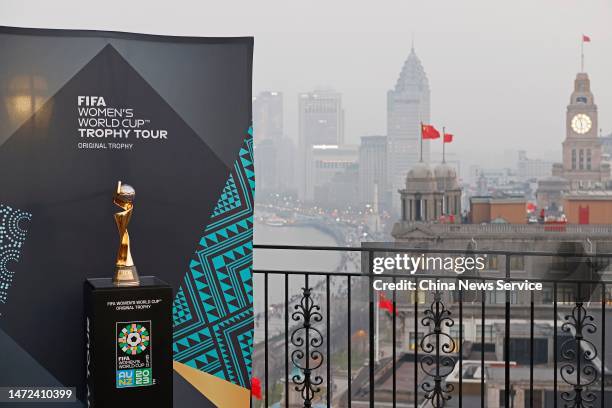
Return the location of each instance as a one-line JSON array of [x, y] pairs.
[[547, 349]]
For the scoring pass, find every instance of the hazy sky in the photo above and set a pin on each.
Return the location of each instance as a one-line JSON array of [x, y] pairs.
[[500, 72]]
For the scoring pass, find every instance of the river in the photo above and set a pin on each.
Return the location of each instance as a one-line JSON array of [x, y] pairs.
[[283, 260]]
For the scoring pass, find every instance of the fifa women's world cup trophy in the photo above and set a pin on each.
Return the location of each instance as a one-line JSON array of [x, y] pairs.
[[125, 271]]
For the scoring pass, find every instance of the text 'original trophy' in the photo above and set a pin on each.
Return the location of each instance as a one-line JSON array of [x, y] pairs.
[[128, 329]]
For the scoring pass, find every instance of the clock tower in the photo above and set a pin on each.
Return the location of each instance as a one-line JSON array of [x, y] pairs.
[[582, 162]]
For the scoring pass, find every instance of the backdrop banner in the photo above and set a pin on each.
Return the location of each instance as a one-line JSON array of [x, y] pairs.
[[171, 116]]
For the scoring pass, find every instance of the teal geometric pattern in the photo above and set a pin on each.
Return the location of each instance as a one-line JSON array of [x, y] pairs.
[[213, 308], [180, 310], [230, 198]]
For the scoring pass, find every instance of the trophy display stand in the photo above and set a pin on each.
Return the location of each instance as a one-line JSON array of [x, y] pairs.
[[128, 324], [129, 343]]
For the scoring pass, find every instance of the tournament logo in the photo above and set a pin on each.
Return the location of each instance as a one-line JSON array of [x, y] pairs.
[[134, 339], [134, 365]]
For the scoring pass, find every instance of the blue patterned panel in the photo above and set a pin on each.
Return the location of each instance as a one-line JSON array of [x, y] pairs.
[[12, 236], [213, 308]]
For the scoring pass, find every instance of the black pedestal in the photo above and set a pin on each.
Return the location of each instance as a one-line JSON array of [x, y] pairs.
[[129, 344]]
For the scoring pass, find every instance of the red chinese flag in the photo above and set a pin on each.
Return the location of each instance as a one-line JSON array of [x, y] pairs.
[[429, 132], [385, 304], [586, 38], [448, 138], [256, 388]]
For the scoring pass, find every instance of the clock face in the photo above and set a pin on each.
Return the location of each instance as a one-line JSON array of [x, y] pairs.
[[581, 123]]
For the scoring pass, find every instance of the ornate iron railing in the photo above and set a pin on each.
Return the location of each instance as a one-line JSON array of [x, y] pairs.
[[297, 360]]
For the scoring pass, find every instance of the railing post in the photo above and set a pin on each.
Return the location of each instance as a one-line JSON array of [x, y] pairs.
[[482, 347], [328, 336], [266, 340], [555, 346], [348, 345], [416, 344], [393, 354], [371, 319], [603, 344], [460, 348], [307, 339], [436, 361], [287, 375], [577, 351], [507, 341]]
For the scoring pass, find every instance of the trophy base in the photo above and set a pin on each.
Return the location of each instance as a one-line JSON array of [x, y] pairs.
[[128, 344], [126, 276]]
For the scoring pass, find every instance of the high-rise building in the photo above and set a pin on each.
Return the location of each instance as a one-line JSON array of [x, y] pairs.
[[373, 171], [321, 123], [532, 169], [324, 162], [266, 166], [285, 164], [274, 151], [268, 116], [408, 104]]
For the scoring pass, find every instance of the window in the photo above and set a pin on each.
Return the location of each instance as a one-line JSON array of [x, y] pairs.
[[419, 295], [538, 400], [453, 332], [588, 159], [581, 99], [492, 263], [547, 295], [573, 159], [566, 294], [488, 333], [497, 297], [517, 263], [608, 296], [412, 341], [581, 159], [502, 398]]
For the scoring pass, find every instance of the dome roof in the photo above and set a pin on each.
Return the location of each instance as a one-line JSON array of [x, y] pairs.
[[420, 179], [446, 177], [444, 170]]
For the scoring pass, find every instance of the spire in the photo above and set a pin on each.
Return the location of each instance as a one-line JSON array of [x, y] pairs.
[[413, 75]]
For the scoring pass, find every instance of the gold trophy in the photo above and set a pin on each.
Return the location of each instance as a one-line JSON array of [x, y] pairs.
[[125, 271]]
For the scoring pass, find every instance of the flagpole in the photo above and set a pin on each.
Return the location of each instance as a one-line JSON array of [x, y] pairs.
[[443, 145], [421, 158], [582, 54]]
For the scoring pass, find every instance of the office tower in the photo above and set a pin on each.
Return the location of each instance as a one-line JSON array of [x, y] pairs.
[[373, 170], [268, 116], [321, 123], [408, 104]]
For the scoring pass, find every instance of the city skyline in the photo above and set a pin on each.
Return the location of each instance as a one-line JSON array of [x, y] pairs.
[[518, 89]]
